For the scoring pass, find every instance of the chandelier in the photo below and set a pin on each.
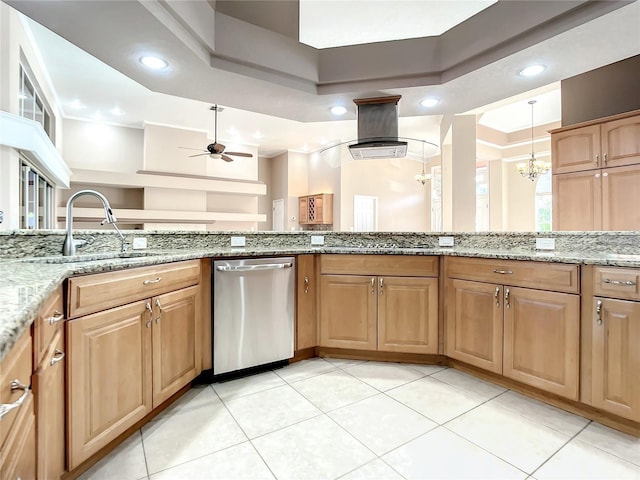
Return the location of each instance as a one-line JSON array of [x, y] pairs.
[[423, 177], [534, 167]]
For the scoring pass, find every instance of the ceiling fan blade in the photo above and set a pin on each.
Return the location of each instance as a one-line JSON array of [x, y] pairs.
[[239, 154], [189, 148], [199, 154], [226, 158]]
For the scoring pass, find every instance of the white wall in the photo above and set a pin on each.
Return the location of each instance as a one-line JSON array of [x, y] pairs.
[[325, 176], [265, 202], [96, 146]]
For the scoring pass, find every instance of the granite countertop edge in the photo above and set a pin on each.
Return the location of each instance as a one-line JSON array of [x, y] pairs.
[[26, 283]]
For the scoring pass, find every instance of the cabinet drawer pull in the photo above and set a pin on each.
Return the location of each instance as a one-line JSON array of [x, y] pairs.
[[610, 281], [56, 317], [597, 158], [7, 407], [381, 286], [497, 296], [149, 282], [306, 284], [373, 286], [57, 356], [503, 272], [604, 157], [599, 312], [506, 298]]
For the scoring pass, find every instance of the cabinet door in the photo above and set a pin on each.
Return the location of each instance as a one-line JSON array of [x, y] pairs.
[[176, 341], [621, 142], [577, 203], [474, 324], [621, 198], [306, 319], [576, 150], [408, 314], [109, 377], [48, 387], [348, 311], [616, 357], [18, 454], [303, 215], [541, 339]]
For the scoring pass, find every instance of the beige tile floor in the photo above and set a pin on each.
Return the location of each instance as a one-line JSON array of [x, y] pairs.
[[330, 419]]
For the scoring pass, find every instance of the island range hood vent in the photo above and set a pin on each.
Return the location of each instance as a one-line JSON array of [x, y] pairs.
[[378, 129]]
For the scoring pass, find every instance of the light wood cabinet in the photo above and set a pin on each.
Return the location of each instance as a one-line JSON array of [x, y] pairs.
[[596, 175], [176, 342], [49, 391], [307, 290], [407, 319], [610, 337], [541, 339], [390, 310], [316, 209], [17, 427], [474, 324], [603, 199], [526, 334], [126, 360], [348, 313], [615, 357], [110, 382]]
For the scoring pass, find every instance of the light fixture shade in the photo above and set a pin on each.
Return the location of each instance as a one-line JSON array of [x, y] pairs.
[[423, 178]]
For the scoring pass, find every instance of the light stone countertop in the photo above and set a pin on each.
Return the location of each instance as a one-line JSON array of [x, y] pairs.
[[26, 283]]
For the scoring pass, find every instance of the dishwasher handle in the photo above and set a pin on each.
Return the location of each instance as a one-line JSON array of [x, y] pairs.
[[251, 268]]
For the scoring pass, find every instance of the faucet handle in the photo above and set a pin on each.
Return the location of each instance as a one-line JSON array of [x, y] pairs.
[[79, 243]]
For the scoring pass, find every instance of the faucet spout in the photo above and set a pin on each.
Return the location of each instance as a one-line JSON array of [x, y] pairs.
[[69, 247]]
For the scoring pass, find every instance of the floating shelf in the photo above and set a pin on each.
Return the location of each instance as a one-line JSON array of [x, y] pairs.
[[175, 181], [126, 215]]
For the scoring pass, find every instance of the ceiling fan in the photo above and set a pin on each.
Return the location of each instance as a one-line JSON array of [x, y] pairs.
[[215, 149]]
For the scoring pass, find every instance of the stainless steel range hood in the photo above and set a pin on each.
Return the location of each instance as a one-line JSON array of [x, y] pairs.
[[378, 129]]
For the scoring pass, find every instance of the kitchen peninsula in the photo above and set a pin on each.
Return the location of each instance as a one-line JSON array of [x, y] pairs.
[[492, 305]]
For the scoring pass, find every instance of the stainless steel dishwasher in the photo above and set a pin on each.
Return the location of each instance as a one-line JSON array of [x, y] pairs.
[[253, 312]]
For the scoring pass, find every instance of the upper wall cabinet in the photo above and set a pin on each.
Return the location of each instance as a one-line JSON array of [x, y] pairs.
[[316, 209], [613, 142]]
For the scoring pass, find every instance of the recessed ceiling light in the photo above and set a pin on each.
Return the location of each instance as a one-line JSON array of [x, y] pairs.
[[116, 111], [532, 70], [154, 63], [338, 110], [430, 102]]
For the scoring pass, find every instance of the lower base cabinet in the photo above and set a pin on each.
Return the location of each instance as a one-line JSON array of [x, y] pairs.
[[615, 357], [126, 361]]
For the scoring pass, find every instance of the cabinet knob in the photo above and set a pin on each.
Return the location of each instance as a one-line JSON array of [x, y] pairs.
[[56, 317]]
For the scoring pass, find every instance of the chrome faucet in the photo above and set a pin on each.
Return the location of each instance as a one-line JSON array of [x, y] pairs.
[[69, 247]]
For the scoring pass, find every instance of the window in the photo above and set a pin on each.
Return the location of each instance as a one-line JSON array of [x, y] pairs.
[[37, 206], [32, 104], [543, 203]]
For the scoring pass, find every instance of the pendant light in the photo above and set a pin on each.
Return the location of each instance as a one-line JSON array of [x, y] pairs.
[[423, 177], [533, 168]]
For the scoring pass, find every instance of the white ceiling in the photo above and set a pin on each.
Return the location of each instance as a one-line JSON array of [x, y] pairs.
[[76, 75], [333, 23]]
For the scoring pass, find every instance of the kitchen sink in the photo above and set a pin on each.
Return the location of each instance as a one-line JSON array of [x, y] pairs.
[[91, 257]]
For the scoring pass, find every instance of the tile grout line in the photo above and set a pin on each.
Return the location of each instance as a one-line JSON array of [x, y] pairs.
[[561, 447], [144, 453]]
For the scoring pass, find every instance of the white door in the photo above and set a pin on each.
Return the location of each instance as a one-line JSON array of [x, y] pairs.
[[365, 213], [278, 215]]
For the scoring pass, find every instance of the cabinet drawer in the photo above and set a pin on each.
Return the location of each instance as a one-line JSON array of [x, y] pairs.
[[617, 282], [18, 454], [15, 366], [49, 320], [93, 293], [397, 265], [544, 276]]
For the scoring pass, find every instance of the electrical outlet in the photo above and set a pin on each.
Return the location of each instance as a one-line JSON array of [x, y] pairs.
[[445, 241], [545, 243], [238, 241], [139, 242], [317, 239]]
